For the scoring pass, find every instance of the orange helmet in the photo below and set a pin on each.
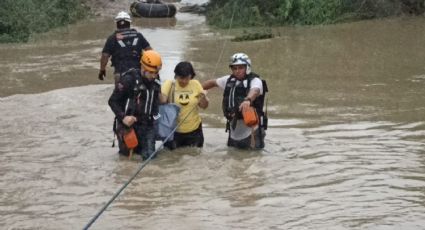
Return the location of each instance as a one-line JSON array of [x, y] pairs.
[[151, 61]]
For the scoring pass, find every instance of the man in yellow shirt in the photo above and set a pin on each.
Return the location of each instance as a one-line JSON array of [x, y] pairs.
[[189, 95]]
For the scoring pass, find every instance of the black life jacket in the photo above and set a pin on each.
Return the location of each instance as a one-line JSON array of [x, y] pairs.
[[127, 54], [234, 94], [144, 100]]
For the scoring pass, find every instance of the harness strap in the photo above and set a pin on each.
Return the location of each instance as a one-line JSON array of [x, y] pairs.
[[121, 43], [135, 41]]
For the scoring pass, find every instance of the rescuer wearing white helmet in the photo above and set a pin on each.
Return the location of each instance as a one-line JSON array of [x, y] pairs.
[[124, 47], [243, 89]]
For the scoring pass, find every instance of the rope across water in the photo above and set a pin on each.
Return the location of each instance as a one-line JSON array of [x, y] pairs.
[[146, 162]]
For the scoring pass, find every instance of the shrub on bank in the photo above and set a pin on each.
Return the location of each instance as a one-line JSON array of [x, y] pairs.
[[21, 18], [304, 12]]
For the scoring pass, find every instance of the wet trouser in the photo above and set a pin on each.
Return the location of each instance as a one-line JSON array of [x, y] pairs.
[[253, 141], [117, 77], [145, 136], [120, 129], [192, 139]]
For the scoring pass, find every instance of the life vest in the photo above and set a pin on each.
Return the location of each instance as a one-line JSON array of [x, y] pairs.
[[126, 54], [234, 94], [144, 100]]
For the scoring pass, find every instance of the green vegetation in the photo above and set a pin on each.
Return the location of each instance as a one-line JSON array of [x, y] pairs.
[[21, 18], [253, 35], [304, 12]]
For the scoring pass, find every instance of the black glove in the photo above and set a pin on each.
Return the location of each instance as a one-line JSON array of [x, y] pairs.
[[102, 74]]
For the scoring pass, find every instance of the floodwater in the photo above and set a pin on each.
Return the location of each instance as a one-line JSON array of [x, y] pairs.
[[344, 148]]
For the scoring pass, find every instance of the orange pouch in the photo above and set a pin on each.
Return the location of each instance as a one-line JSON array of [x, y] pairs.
[[130, 139], [250, 116]]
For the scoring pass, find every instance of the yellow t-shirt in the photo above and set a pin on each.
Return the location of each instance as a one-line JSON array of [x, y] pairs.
[[187, 99]]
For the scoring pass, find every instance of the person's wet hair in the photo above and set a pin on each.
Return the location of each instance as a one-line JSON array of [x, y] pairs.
[[184, 69]]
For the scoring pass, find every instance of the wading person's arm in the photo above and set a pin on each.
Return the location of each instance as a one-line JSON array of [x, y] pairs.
[[103, 61], [203, 100], [252, 95], [209, 84]]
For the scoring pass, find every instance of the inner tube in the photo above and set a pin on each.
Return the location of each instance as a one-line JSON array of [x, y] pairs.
[[153, 10]]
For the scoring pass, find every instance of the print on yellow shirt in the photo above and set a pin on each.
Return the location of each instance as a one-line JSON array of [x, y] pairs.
[[187, 99]]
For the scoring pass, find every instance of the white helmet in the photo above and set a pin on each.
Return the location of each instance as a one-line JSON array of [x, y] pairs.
[[241, 59], [123, 16]]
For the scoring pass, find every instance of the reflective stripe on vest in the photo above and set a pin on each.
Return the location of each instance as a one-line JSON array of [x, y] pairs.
[[121, 43], [135, 41]]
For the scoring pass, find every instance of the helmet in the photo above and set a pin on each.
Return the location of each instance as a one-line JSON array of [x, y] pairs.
[[123, 16], [151, 61], [241, 59]]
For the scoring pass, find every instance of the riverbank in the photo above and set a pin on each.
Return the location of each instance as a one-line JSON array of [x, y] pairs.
[[245, 13], [19, 19]]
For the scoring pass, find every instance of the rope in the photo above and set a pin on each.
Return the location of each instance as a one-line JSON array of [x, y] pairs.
[[144, 163], [225, 41]]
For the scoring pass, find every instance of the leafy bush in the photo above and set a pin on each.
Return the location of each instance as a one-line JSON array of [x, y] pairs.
[[21, 18], [245, 13], [304, 12], [307, 12], [272, 12]]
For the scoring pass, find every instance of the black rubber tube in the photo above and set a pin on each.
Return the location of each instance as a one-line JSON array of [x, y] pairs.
[[153, 10]]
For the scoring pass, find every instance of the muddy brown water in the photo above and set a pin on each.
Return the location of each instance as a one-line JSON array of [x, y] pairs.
[[344, 149]]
